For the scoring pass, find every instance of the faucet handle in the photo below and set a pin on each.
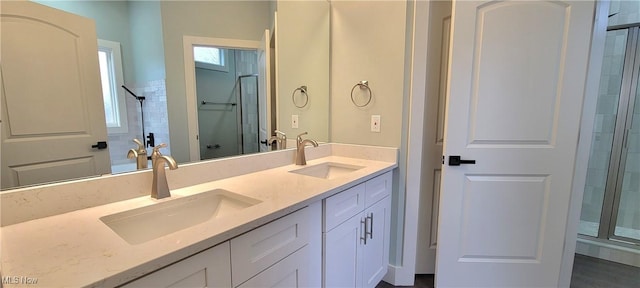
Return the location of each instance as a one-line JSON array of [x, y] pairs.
[[139, 143], [280, 134], [299, 138], [156, 150]]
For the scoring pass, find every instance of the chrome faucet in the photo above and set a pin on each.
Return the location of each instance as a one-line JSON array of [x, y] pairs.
[[159, 187], [280, 139], [300, 158], [140, 154], [273, 139], [156, 152]]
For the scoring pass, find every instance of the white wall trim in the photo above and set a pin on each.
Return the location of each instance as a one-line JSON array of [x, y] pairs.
[[121, 102], [584, 141], [190, 80], [608, 250], [404, 275]]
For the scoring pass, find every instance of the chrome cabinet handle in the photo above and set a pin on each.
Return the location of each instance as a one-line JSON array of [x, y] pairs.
[[369, 224], [364, 235], [370, 217]]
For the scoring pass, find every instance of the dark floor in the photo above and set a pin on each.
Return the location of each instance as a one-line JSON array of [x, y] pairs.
[[422, 280], [588, 272]]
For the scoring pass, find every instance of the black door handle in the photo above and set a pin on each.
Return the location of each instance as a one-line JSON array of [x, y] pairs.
[[100, 145], [456, 161], [265, 142]]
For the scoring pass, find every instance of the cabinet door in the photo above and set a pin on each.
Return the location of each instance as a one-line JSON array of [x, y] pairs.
[[343, 254], [210, 268], [292, 271], [375, 259]]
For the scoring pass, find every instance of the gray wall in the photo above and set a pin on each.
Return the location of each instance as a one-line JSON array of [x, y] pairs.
[[368, 42], [147, 45], [303, 50]]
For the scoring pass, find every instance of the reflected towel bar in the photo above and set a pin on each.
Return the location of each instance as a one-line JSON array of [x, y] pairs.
[[217, 103]]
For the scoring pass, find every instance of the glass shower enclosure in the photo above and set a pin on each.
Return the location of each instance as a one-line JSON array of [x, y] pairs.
[[611, 204]]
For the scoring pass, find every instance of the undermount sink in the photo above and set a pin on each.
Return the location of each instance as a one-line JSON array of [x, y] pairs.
[[150, 222], [327, 170]]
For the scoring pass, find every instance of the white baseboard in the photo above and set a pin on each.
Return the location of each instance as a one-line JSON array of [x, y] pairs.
[[399, 276], [608, 251]]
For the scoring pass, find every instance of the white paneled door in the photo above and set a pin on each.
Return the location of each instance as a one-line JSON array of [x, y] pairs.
[[437, 63], [516, 86], [52, 105]]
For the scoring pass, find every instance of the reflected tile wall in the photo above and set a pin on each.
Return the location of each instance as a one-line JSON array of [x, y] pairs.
[[155, 119]]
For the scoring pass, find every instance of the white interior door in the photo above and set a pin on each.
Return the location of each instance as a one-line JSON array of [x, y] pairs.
[[437, 63], [516, 84], [52, 107], [264, 64]]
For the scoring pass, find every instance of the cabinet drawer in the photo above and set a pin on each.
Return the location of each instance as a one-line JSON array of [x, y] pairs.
[[209, 268], [342, 206], [292, 271], [262, 247], [377, 188]]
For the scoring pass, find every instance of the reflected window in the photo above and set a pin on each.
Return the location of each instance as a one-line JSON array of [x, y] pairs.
[[111, 79], [211, 58]]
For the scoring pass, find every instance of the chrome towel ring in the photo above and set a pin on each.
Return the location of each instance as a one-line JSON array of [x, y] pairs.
[[303, 91], [364, 85]]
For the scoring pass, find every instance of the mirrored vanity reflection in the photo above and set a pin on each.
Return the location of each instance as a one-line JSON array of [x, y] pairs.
[[63, 100]]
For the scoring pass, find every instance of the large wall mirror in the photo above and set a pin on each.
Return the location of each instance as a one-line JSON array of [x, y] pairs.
[[140, 44]]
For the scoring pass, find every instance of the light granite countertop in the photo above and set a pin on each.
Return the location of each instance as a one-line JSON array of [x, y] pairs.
[[76, 249]]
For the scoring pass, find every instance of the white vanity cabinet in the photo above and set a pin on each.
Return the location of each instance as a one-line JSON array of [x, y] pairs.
[[209, 268], [341, 241], [284, 252], [356, 234]]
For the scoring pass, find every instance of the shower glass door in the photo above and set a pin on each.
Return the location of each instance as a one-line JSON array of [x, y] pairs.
[[610, 207], [628, 215], [603, 131], [249, 114]]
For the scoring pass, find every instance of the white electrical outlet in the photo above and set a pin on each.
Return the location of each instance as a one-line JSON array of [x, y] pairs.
[[375, 123], [294, 121]]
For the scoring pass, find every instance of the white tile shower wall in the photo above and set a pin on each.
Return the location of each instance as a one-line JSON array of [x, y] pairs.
[[120, 143], [626, 12], [155, 112], [155, 118]]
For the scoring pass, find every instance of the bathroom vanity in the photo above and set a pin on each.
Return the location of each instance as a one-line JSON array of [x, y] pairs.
[[255, 220]]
